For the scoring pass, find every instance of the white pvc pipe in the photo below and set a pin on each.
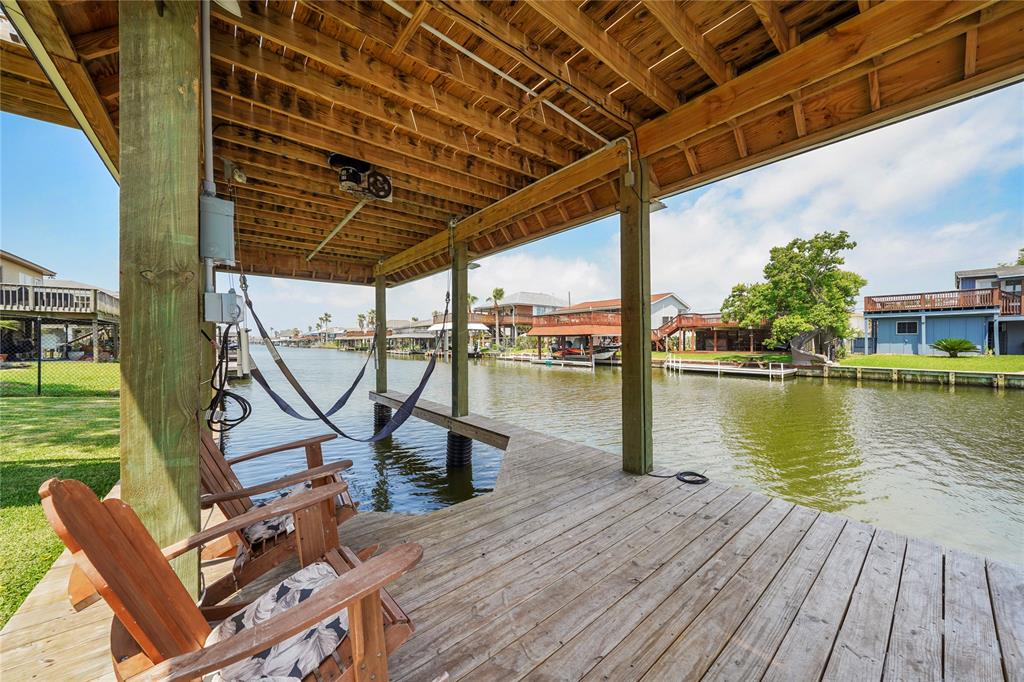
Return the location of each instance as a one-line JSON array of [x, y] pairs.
[[209, 184]]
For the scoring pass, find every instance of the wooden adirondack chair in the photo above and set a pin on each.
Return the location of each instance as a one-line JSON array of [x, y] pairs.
[[256, 550], [295, 628], [262, 546]]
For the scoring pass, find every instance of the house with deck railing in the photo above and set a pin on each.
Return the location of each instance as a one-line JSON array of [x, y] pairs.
[[985, 308], [59, 318]]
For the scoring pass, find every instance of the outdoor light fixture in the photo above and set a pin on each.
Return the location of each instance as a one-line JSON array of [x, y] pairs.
[[472, 266], [658, 205]]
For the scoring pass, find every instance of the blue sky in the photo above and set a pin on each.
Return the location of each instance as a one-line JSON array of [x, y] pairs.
[[923, 198]]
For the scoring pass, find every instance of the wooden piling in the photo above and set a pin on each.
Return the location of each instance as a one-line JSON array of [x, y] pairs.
[[460, 331], [635, 244], [160, 273], [381, 338]]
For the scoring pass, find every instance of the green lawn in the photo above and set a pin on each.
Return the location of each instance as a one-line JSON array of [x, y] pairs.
[[724, 356], [45, 437], [977, 363], [63, 378]]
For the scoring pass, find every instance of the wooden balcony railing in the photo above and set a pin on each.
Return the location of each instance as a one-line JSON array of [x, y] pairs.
[[46, 299], [585, 317], [482, 318], [959, 299]]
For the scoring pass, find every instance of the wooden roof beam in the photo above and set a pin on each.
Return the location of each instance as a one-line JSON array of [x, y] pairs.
[[313, 209], [410, 27], [279, 76], [883, 27], [353, 141], [445, 61], [600, 163], [321, 172], [595, 40], [771, 18], [96, 44], [406, 201], [493, 29], [685, 32], [307, 41], [292, 264]]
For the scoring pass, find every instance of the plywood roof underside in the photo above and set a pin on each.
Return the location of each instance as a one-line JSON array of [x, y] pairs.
[[703, 90]]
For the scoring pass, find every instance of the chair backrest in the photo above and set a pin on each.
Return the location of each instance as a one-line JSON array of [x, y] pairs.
[[120, 558], [216, 476]]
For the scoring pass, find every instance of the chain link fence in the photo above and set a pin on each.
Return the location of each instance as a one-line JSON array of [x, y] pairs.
[[47, 357]]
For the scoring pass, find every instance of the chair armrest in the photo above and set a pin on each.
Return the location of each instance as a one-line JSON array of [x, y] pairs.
[[210, 499], [285, 505], [349, 588], [294, 445]]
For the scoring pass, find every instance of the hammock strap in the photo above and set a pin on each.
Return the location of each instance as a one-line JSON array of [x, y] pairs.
[[399, 417]]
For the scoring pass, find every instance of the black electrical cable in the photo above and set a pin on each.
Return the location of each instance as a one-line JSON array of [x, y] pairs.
[[691, 477], [216, 411]]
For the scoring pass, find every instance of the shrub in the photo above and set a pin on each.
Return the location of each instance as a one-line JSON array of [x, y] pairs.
[[955, 346]]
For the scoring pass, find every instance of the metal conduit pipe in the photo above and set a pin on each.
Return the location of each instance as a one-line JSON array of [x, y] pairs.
[[209, 185], [495, 70]]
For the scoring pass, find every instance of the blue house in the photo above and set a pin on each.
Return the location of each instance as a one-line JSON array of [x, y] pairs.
[[985, 308]]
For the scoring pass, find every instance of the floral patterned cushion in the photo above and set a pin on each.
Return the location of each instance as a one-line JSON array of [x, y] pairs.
[[269, 528], [297, 656]]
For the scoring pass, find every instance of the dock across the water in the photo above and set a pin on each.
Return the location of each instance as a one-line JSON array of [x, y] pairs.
[[773, 370]]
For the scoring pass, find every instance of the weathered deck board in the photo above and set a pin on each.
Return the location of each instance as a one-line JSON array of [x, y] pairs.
[[572, 569]]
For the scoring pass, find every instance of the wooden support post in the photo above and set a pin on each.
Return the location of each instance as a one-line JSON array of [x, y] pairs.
[[160, 272], [95, 341], [635, 277], [539, 339], [460, 331], [381, 312], [715, 339]]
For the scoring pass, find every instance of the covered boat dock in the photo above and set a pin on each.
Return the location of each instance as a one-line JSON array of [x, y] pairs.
[[499, 124]]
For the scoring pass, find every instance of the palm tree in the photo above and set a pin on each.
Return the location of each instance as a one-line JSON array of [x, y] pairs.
[[470, 302], [371, 318], [496, 295], [361, 318], [324, 321]]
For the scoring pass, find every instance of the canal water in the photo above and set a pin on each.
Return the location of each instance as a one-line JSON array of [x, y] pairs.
[[926, 460]]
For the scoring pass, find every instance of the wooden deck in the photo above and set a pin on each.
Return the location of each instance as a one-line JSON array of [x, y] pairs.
[[572, 569]]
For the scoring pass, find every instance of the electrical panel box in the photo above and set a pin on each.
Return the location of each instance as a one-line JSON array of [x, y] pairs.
[[218, 307], [217, 229]]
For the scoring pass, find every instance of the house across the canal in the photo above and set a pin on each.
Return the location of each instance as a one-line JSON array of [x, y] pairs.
[[597, 322], [985, 308], [60, 319]]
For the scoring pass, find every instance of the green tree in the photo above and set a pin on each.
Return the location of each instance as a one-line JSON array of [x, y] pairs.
[[361, 318], [496, 295], [806, 297], [371, 318], [470, 302]]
